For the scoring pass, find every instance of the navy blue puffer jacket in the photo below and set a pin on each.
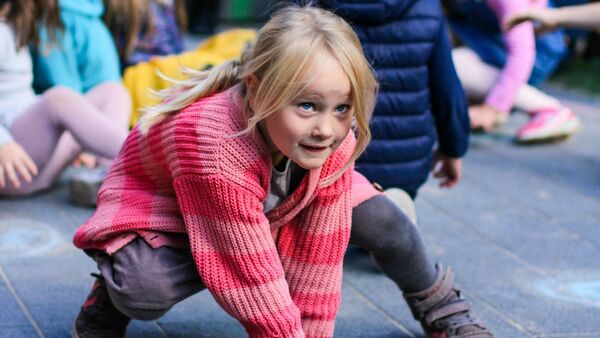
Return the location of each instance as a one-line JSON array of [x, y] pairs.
[[420, 97]]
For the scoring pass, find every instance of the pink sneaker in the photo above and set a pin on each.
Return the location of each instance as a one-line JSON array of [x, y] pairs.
[[548, 125]]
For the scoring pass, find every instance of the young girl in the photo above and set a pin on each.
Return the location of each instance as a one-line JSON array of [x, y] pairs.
[[41, 135], [240, 182], [146, 28], [501, 67], [281, 76]]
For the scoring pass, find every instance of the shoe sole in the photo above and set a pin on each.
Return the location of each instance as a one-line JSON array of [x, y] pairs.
[[568, 129], [74, 332]]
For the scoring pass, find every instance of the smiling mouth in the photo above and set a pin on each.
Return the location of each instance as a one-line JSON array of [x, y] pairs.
[[313, 149]]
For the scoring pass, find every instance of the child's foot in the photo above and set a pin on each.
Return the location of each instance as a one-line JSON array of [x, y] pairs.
[[98, 317], [443, 313], [549, 125], [85, 184]]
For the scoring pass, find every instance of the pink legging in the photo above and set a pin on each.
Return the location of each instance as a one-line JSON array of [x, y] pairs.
[[62, 123]]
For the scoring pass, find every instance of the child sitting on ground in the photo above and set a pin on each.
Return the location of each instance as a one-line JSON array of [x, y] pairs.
[[41, 135], [500, 68]]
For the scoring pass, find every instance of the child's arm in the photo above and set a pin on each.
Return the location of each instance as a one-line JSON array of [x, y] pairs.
[[520, 47], [448, 101], [449, 107], [312, 248], [236, 256], [582, 16]]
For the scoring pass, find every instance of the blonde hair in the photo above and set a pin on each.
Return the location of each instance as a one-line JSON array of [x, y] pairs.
[[280, 58]]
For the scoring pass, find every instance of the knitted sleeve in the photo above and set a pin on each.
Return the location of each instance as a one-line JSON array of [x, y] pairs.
[[312, 249], [235, 254], [520, 48]]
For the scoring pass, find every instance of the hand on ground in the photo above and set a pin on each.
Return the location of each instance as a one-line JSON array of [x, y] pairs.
[[15, 163], [85, 159], [447, 169], [485, 117]]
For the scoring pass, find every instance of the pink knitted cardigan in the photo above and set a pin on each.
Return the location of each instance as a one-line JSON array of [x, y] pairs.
[[188, 175]]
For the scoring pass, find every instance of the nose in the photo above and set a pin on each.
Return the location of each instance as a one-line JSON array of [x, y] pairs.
[[324, 127]]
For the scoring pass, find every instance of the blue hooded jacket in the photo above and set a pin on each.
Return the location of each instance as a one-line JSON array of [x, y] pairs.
[[421, 99]]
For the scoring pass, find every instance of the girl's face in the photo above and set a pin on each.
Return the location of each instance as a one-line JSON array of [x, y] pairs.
[[310, 129]]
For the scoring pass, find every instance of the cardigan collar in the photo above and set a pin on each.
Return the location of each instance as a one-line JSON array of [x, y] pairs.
[[298, 200]]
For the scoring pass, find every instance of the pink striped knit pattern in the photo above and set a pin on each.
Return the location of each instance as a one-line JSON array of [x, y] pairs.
[[188, 176]]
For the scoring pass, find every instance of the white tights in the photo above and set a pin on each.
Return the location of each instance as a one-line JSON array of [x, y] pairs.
[[62, 123], [478, 78]]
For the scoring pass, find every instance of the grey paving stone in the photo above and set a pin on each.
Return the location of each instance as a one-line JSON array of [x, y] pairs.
[[361, 273], [12, 318], [47, 284], [533, 236], [587, 227], [508, 284], [358, 318], [17, 331], [144, 329], [200, 316], [549, 194]]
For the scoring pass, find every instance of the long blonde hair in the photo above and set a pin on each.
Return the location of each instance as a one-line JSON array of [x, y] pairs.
[[280, 58]]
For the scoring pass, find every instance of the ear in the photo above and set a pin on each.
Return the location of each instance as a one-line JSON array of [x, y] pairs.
[[252, 83]]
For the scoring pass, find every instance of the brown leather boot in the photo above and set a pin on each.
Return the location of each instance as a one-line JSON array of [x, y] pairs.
[[443, 313]]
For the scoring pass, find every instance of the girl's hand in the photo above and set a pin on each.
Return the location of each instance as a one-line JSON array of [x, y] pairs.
[[447, 169], [543, 19], [15, 162], [485, 117], [85, 159]]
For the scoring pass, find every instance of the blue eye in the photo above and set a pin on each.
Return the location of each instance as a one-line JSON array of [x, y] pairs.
[[306, 106], [343, 108]]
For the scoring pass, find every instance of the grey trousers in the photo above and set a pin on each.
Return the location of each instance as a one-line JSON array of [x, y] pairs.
[[144, 283]]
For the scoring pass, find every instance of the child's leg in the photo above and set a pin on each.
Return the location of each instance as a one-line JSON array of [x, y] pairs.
[[113, 100], [137, 282], [382, 229], [478, 78], [144, 283], [41, 132]]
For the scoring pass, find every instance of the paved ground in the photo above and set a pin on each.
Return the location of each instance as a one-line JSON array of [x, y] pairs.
[[522, 232]]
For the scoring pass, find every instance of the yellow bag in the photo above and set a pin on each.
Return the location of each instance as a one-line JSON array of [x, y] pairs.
[[138, 79]]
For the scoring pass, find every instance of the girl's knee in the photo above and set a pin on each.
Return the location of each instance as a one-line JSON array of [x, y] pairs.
[[59, 93], [113, 90], [56, 99], [379, 225], [141, 313]]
